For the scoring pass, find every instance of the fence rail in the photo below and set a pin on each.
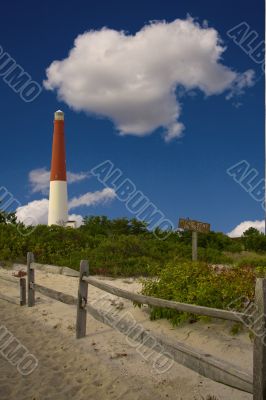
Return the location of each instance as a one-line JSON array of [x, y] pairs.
[[204, 364], [54, 294], [156, 302], [9, 299], [8, 279]]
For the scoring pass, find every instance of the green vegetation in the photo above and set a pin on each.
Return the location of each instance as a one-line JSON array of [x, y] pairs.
[[125, 247], [201, 284], [122, 247], [7, 218]]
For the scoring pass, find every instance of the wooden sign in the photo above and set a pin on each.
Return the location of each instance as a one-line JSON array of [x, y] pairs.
[[195, 226]]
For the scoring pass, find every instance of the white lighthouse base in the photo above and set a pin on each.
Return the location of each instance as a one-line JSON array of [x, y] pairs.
[[58, 209]]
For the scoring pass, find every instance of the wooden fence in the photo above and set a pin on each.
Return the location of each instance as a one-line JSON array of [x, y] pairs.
[[204, 364], [21, 282]]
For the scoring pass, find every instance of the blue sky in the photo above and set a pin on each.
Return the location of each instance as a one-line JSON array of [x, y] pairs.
[[184, 177]]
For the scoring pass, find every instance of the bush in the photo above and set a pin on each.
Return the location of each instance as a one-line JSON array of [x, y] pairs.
[[254, 240], [118, 247], [253, 262], [213, 256], [197, 283]]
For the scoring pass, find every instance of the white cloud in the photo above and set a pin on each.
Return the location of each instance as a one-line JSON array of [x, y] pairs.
[[39, 179], [132, 79], [77, 218], [243, 226], [241, 83], [36, 212], [91, 199], [73, 177]]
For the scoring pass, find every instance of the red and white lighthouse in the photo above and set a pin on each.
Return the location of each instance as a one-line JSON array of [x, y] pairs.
[[58, 209]]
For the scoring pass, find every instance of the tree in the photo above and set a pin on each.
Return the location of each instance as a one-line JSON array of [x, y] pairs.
[[137, 226], [251, 232], [254, 240], [8, 217]]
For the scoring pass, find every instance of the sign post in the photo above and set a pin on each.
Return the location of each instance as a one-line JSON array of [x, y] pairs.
[[195, 227], [194, 246]]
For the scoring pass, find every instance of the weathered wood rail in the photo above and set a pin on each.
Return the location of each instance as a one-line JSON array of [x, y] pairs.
[[156, 302], [54, 294], [204, 364]]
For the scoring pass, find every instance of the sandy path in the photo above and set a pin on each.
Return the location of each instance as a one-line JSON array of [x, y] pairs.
[[104, 365]]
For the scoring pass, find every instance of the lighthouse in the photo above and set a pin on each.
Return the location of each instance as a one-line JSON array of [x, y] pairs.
[[58, 209]]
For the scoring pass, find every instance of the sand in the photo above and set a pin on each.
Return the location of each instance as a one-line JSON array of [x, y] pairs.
[[105, 365]]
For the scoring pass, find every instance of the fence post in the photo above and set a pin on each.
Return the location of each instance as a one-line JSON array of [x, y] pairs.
[[30, 286], [194, 246], [259, 352], [22, 291], [82, 301]]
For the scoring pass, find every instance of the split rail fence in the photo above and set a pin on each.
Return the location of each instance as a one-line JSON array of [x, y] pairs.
[[204, 364], [21, 282]]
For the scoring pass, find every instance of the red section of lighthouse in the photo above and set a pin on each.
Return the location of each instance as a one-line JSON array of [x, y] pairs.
[[58, 210], [58, 164]]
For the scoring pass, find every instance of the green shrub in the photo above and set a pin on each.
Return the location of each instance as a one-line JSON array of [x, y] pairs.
[[118, 247], [213, 256], [197, 283], [257, 261]]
